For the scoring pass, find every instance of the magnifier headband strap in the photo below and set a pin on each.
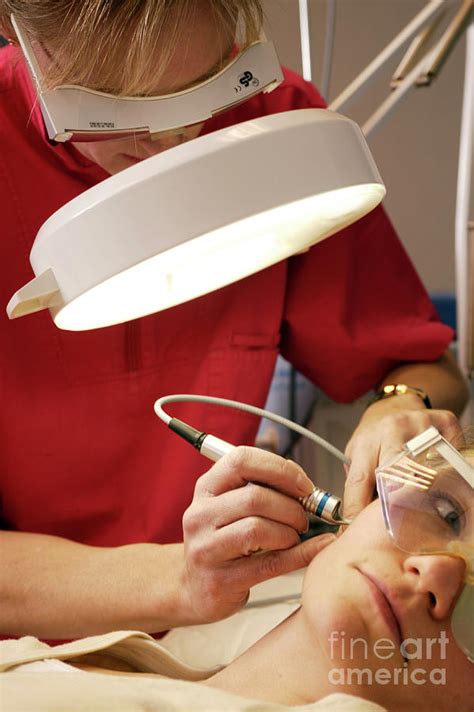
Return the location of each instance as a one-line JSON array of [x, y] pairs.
[[78, 112]]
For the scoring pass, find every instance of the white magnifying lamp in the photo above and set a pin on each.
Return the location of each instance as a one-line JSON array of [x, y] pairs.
[[198, 217]]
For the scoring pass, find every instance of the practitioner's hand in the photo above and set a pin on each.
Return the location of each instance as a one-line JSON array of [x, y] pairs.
[[383, 430], [238, 534]]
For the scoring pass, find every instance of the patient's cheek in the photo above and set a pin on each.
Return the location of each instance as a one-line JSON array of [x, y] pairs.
[[367, 526], [353, 543], [322, 565], [342, 530]]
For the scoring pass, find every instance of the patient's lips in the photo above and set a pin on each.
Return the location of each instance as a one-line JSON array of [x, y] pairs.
[[384, 603]]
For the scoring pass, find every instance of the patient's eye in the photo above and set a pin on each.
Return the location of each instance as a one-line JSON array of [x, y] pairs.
[[448, 510]]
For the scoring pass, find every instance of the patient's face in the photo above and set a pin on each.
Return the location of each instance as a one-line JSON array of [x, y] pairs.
[[365, 598]]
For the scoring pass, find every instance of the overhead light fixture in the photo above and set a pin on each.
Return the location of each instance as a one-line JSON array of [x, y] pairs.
[[198, 217]]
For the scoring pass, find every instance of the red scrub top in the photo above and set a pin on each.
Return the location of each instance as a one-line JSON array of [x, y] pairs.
[[82, 454]]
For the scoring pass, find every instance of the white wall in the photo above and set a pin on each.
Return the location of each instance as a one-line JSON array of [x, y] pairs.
[[417, 149]]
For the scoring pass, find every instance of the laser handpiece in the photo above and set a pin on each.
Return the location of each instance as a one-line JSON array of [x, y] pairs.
[[325, 506], [320, 503]]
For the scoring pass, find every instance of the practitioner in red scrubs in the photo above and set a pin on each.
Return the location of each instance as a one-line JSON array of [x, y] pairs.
[[92, 487]]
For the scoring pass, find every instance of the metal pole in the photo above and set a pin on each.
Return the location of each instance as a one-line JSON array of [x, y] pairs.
[[305, 40], [465, 203], [328, 48]]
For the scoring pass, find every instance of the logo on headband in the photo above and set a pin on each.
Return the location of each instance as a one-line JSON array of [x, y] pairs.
[[247, 78]]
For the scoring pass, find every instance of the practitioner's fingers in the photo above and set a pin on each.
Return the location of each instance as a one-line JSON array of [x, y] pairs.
[[240, 539], [250, 501], [249, 464], [219, 591], [378, 438], [245, 503], [269, 564]]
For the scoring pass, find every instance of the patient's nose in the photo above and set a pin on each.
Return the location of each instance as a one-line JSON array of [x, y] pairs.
[[439, 577]]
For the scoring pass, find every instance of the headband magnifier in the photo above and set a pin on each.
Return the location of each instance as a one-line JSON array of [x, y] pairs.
[[428, 505], [81, 114]]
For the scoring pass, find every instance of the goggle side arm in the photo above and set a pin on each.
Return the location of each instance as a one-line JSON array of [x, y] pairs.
[[432, 438]]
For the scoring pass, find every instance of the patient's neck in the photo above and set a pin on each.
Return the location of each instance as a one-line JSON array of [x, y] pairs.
[[286, 666]]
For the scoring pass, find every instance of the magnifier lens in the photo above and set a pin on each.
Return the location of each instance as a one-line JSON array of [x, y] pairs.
[[428, 508]]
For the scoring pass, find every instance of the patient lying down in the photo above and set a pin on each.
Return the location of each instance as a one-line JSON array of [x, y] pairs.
[[374, 623], [345, 638]]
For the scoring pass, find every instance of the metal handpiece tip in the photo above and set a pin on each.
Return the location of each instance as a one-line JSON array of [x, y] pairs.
[[325, 506], [342, 520], [335, 517]]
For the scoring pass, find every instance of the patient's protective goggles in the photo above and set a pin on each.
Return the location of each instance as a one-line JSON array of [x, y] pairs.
[[428, 505], [81, 114]]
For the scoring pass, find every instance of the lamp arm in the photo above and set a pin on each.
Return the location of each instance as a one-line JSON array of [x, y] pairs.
[[387, 107], [368, 75], [416, 50], [448, 40]]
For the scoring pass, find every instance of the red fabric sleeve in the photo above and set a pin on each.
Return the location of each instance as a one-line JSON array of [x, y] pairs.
[[356, 300]]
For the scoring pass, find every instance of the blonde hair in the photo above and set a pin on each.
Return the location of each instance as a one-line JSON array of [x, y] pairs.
[[109, 44]]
